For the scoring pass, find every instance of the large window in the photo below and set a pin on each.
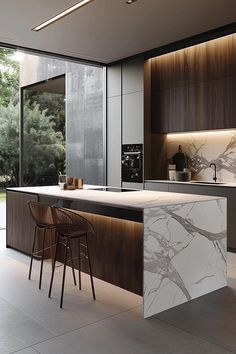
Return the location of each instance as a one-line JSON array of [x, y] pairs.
[[43, 138], [51, 121], [62, 121]]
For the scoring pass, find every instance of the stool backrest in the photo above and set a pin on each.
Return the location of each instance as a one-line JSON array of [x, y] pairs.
[[41, 214], [66, 218]]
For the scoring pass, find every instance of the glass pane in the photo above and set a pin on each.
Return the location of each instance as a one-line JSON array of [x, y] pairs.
[[43, 137], [9, 126]]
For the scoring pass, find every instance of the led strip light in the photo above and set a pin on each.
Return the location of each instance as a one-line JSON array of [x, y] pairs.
[[61, 15]]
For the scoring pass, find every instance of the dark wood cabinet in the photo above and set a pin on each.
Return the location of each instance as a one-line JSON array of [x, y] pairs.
[[194, 88], [20, 225], [116, 248]]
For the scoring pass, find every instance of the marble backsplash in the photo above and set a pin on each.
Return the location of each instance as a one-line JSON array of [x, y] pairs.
[[203, 148]]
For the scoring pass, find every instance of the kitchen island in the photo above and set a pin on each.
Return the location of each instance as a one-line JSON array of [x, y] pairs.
[[167, 247]]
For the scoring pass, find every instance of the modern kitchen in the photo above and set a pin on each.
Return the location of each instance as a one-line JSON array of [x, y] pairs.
[[134, 244]]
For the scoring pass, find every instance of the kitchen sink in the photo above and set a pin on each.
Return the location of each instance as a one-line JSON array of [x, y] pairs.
[[205, 182]]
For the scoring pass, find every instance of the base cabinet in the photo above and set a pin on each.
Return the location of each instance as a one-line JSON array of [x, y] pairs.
[[20, 226], [219, 191], [116, 248], [152, 186]]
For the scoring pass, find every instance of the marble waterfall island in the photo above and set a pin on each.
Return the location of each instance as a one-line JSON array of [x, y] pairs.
[[168, 248], [184, 253]]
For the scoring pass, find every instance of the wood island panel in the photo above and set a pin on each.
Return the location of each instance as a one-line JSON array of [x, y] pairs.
[[116, 249], [20, 226], [117, 252]]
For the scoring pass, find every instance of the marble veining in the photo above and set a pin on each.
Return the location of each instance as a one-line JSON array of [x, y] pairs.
[[204, 148], [184, 248], [184, 253]]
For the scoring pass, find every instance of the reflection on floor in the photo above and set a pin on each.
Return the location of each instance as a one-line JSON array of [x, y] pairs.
[[31, 323]]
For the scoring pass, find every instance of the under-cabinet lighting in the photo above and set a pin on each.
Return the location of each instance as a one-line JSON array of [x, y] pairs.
[[202, 132], [61, 14]]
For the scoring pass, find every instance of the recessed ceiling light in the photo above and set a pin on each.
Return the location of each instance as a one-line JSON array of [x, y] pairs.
[[61, 14], [129, 2]]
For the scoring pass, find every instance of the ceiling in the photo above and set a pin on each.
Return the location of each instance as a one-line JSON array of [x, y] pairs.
[[109, 30]]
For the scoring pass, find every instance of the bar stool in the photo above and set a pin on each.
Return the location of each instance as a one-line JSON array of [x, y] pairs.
[[69, 226], [43, 219]]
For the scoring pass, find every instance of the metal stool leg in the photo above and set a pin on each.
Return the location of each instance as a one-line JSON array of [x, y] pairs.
[[79, 261], [90, 269], [53, 267], [42, 258], [51, 246], [32, 253], [72, 262], [64, 273]]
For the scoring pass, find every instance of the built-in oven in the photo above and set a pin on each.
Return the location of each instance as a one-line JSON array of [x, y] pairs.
[[132, 163]]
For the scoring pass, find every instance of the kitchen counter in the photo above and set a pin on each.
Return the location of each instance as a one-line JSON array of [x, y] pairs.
[[135, 199], [222, 184], [146, 242]]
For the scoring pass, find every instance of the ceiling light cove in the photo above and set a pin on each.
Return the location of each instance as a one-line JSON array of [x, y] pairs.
[[63, 14]]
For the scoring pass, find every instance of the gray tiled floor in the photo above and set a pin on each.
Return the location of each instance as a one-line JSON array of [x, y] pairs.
[[30, 323]]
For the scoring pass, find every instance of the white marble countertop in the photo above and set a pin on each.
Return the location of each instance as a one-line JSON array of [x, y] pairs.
[[138, 199], [196, 183]]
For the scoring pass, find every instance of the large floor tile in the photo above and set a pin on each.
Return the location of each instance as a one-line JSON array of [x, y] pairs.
[[231, 272], [128, 333], [113, 323], [17, 330], [197, 317], [224, 335], [79, 308], [231, 260], [26, 351], [211, 317]]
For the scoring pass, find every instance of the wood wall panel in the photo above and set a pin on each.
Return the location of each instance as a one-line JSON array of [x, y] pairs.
[[220, 58], [117, 252], [20, 226], [221, 108], [195, 64], [194, 88], [116, 248], [147, 120]]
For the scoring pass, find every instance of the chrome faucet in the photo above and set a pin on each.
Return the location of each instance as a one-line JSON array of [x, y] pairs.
[[214, 177]]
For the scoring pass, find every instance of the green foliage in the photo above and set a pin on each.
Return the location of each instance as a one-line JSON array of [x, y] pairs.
[[43, 130], [44, 148], [9, 77], [9, 144], [54, 103]]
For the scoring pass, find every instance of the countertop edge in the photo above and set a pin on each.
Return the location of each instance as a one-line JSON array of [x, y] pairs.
[[194, 183]]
